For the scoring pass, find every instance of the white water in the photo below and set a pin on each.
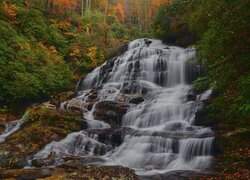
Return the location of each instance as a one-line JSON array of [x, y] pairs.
[[10, 128], [166, 137]]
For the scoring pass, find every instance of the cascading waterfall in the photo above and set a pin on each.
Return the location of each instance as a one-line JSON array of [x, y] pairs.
[[10, 128], [150, 80]]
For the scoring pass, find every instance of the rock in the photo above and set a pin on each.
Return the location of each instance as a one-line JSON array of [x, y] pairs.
[[43, 125], [136, 100], [104, 173], [81, 172], [147, 42], [77, 105], [2, 128], [73, 163], [61, 97], [30, 174], [135, 88], [174, 175], [112, 136], [110, 112]]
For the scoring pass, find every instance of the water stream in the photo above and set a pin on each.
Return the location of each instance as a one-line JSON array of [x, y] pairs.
[[151, 81]]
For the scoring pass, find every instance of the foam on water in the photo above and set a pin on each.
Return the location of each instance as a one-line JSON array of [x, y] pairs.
[[166, 138]]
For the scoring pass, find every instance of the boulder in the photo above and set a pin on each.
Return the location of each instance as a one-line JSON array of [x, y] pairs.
[[43, 125], [110, 136], [110, 112]]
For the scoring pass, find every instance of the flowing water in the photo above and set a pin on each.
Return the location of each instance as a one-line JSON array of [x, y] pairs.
[[10, 128], [152, 81]]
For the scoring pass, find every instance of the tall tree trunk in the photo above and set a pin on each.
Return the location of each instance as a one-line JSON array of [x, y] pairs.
[[82, 7], [106, 11], [88, 6]]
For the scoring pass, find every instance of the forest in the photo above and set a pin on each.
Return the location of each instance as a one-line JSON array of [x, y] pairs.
[[46, 45], [77, 54]]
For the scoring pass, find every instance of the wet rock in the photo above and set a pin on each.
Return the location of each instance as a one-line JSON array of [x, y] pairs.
[[191, 97], [73, 163], [93, 94], [147, 42], [41, 127], [136, 100], [78, 105], [110, 112], [5, 117], [135, 88], [112, 136]]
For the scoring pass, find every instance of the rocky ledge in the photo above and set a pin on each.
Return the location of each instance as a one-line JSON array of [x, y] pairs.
[[83, 173], [42, 126]]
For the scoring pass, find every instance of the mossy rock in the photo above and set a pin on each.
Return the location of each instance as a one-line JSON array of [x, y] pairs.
[[42, 126], [61, 97], [110, 112]]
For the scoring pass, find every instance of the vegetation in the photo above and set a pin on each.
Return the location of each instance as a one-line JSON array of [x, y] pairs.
[[42, 126], [220, 29], [46, 45]]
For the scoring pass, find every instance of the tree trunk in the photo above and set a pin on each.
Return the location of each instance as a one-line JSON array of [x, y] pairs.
[[106, 11], [82, 8]]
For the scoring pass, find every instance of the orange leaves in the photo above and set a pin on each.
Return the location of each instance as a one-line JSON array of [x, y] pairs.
[[66, 4], [52, 49], [76, 53], [63, 24], [10, 10], [120, 11], [69, 34], [103, 26]]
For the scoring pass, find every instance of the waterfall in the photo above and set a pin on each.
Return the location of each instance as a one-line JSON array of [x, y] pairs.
[[10, 128], [146, 92]]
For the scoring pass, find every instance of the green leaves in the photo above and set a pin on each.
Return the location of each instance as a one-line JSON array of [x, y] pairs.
[[223, 30], [30, 66]]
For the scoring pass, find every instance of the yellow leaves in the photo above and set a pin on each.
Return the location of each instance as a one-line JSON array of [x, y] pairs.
[[76, 53], [63, 24], [52, 49], [53, 21], [69, 34], [92, 52], [11, 10]]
